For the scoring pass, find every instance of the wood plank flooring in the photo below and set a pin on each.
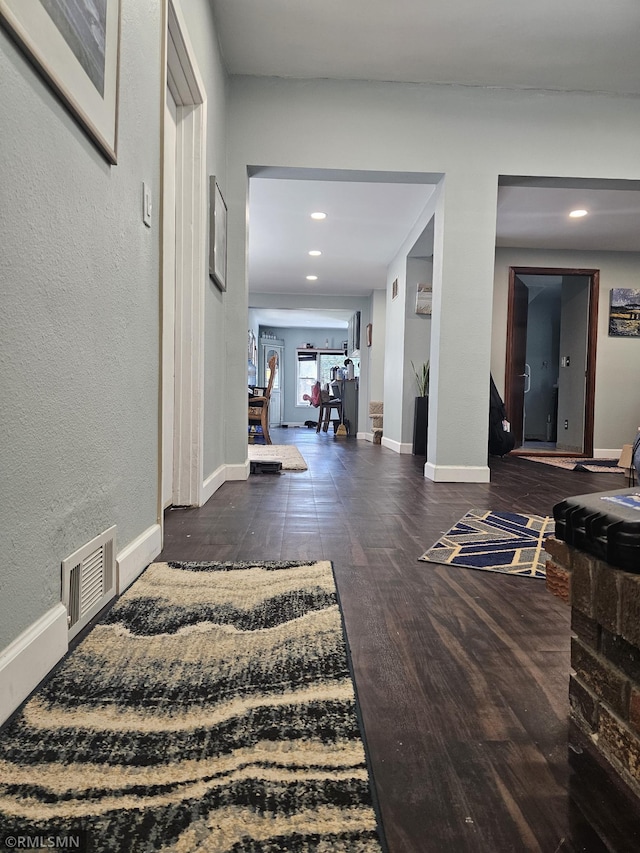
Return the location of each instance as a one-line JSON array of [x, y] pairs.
[[462, 676]]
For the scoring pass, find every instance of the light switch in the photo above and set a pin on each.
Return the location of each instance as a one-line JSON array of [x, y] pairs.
[[146, 204]]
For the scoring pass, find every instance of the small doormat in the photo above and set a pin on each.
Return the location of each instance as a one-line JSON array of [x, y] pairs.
[[507, 542], [212, 710], [573, 463], [288, 454]]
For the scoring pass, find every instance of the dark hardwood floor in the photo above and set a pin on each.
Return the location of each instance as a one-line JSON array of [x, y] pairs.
[[462, 676]]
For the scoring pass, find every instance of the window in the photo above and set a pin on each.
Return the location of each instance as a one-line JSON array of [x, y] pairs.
[[306, 376], [315, 366]]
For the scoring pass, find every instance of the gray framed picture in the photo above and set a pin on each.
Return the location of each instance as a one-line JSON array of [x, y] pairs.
[[624, 313], [424, 299], [76, 48], [217, 235]]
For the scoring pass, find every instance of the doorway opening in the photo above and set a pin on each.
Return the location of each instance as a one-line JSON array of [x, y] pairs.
[[550, 361]]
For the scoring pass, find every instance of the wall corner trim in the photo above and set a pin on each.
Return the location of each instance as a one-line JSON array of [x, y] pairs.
[[133, 559], [457, 473], [222, 475], [26, 661], [213, 483]]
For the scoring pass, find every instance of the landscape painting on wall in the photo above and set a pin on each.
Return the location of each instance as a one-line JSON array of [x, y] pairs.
[[624, 313], [74, 44], [84, 28]]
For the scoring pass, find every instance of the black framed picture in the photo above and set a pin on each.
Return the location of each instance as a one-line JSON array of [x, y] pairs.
[[624, 313], [217, 235]]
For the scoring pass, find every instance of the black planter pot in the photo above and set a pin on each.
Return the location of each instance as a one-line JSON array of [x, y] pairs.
[[420, 420]]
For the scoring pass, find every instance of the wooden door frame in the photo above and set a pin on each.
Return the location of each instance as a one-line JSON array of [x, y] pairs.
[[592, 337]]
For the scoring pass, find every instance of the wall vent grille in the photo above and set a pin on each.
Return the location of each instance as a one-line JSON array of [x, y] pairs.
[[89, 580]]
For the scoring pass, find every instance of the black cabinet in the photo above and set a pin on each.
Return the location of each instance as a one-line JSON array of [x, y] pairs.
[[420, 422], [347, 391]]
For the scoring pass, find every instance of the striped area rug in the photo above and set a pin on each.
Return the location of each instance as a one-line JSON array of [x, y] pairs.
[[507, 542], [211, 711]]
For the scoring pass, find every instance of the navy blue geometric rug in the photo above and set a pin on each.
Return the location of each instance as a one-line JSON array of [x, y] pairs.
[[507, 542]]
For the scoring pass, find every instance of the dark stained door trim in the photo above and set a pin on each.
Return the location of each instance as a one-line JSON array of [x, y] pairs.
[[514, 342]]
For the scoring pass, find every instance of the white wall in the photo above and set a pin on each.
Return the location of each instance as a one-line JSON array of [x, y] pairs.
[[394, 367], [417, 339], [471, 136], [617, 404], [374, 355], [79, 325], [221, 312], [408, 338]]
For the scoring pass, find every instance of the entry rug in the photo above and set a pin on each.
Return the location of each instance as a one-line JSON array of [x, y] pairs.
[[506, 542], [288, 454], [211, 711], [573, 463]]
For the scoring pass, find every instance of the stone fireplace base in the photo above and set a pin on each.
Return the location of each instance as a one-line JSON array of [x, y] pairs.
[[604, 688]]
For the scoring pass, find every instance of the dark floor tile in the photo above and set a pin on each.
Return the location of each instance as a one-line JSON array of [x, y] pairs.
[[462, 676]]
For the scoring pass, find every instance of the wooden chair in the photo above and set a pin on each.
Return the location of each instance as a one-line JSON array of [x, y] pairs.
[[327, 403], [259, 406]]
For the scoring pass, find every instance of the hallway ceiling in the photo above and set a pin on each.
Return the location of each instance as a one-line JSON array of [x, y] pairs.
[[576, 45], [365, 227], [367, 223], [573, 45]]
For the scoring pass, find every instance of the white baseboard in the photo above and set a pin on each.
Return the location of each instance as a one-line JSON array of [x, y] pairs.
[[237, 472], [26, 661], [222, 475], [603, 453], [457, 473], [364, 436], [397, 446], [137, 555], [213, 483]]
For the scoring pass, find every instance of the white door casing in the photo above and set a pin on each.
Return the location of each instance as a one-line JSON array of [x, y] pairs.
[[188, 221], [168, 297]]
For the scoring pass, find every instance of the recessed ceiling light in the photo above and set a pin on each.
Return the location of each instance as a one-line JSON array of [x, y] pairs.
[[576, 214], [312, 278], [315, 252], [318, 215]]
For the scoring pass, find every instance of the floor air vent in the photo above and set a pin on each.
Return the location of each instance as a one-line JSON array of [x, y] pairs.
[[89, 580]]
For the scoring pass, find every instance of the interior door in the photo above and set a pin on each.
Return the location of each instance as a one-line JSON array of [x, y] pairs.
[[275, 403], [515, 370], [517, 319]]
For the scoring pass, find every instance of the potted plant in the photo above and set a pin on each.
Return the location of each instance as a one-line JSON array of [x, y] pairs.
[[421, 410]]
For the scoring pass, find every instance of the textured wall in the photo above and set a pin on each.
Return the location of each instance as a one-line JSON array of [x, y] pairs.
[[79, 323]]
